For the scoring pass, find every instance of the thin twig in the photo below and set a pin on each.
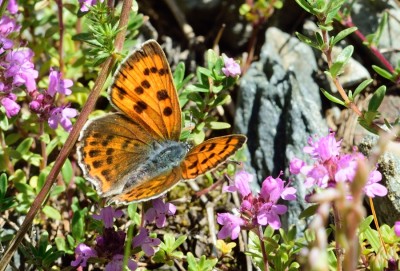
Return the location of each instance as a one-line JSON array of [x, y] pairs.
[[70, 142]]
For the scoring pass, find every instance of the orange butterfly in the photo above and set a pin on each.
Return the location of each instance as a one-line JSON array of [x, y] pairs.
[[136, 155]]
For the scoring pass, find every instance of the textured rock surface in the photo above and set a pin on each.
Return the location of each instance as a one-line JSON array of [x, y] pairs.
[[279, 107], [387, 208]]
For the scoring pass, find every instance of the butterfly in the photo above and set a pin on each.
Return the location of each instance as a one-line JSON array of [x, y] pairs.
[[135, 155]]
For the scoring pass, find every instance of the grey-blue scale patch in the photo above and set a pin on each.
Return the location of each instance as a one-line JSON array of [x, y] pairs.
[[162, 158]]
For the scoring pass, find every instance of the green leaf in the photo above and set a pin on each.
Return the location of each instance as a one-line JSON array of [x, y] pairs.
[[308, 41], [217, 125], [3, 121], [179, 74], [3, 185], [52, 212], [377, 35], [377, 99], [67, 171], [212, 58], [382, 72], [25, 145], [12, 138], [342, 34], [78, 225], [309, 211], [373, 239], [83, 37], [332, 98], [341, 60], [365, 224], [361, 87], [244, 9], [306, 6]]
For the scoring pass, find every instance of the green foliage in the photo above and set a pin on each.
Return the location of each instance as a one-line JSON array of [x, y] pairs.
[[203, 264], [43, 255], [372, 40], [5, 201], [281, 248], [102, 30], [209, 93], [259, 11], [167, 252]]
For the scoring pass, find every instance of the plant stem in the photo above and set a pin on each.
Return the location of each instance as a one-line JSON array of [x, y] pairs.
[[263, 250], [43, 163], [70, 142], [338, 233]]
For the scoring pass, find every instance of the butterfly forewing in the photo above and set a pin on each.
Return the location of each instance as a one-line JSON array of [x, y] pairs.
[[110, 147], [209, 154], [144, 90]]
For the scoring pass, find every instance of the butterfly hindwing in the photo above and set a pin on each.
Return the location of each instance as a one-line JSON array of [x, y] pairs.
[[209, 154], [150, 189], [110, 147], [144, 90]]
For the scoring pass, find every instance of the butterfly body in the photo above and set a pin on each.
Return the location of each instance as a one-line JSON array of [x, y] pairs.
[[136, 155]]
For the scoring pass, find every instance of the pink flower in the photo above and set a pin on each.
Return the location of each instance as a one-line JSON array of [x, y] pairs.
[[295, 165], [262, 209], [107, 215], [82, 254], [331, 167], [12, 6], [241, 183], [232, 68], [56, 84], [11, 107], [231, 225], [18, 65], [117, 262], [7, 26], [397, 228], [62, 116], [144, 241], [159, 212], [373, 188], [323, 149], [86, 4]]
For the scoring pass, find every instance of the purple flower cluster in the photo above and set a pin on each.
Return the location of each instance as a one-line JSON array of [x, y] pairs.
[[231, 68], [110, 245], [86, 4], [255, 210], [17, 70], [331, 166]]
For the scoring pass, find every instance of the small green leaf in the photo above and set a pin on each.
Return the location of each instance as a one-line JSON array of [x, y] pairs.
[[67, 171], [309, 211], [361, 87], [3, 185], [52, 212], [212, 58], [341, 60], [12, 138], [332, 98], [25, 145], [377, 99], [342, 34], [382, 72], [308, 40], [217, 125], [3, 121], [306, 6], [78, 226]]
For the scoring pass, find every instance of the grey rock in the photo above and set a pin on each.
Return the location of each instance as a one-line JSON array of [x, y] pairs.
[[387, 208], [279, 108], [366, 16]]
